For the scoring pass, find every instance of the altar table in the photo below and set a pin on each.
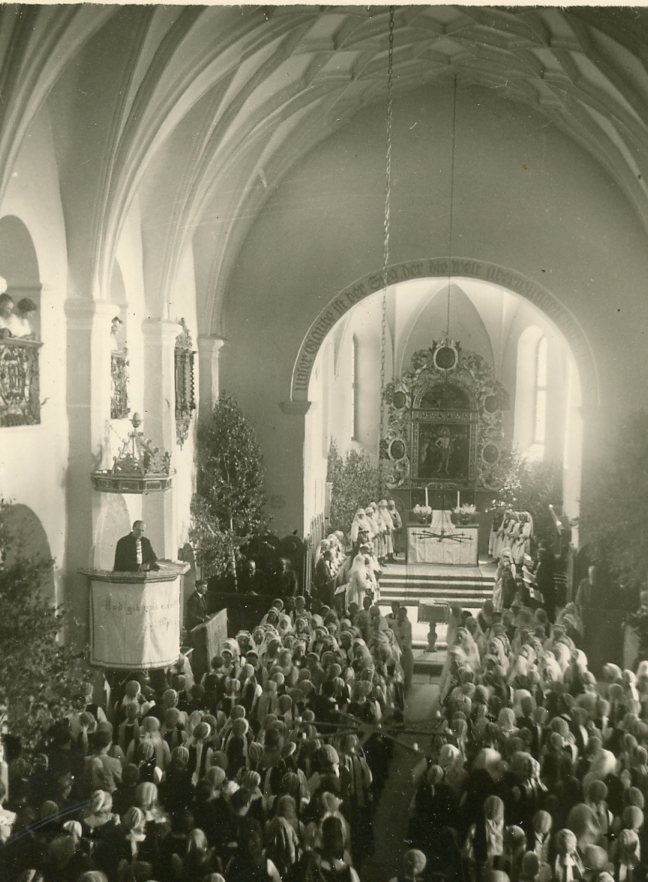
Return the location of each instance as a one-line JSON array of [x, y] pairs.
[[458, 545]]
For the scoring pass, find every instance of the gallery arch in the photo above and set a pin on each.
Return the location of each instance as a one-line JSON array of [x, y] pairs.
[[20, 263], [30, 538]]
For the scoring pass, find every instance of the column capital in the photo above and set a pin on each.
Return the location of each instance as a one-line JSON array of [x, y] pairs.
[[210, 345], [161, 329], [81, 314], [295, 408]]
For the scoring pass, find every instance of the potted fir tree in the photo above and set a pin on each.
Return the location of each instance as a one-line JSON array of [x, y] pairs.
[[228, 506]]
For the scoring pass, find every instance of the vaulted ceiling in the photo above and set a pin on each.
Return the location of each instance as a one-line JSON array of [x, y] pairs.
[[211, 106]]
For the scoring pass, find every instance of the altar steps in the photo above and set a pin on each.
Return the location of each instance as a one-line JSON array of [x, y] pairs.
[[468, 586]]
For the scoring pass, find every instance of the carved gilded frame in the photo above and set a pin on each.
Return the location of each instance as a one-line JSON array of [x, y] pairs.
[[185, 399]]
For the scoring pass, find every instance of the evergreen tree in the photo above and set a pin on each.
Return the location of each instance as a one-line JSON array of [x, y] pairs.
[[228, 507], [355, 481], [532, 487], [40, 676]]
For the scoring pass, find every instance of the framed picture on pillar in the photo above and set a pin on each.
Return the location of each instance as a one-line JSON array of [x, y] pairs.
[[185, 399]]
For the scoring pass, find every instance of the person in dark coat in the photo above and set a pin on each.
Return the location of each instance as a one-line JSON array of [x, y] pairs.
[[284, 583], [134, 553], [250, 580], [324, 578], [544, 574], [197, 606]]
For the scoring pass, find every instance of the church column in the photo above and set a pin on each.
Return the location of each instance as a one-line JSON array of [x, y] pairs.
[[88, 411], [593, 428], [209, 356], [285, 480], [159, 509]]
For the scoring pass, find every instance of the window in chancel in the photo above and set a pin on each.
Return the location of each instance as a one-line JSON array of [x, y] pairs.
[[354, 389], [540, 404], [531, 393]]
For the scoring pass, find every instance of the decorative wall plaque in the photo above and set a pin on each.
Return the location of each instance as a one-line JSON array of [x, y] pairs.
[[19, 382], [119, 408], [185, 401]]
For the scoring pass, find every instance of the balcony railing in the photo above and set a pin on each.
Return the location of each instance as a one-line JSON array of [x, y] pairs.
[[19, 382]]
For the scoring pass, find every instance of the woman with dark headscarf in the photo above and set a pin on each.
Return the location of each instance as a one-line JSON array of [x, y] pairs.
[[250, 863], [485, 839]]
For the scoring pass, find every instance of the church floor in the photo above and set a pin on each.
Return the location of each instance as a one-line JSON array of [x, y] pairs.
[[390, 821]]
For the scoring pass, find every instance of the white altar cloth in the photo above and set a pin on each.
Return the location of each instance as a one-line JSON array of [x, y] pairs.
[[442, 542]]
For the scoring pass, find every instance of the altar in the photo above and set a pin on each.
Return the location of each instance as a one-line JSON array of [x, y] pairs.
[[445, 443], [442, 542]]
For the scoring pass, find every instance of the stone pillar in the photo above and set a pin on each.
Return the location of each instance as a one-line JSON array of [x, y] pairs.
[[88, 410], [208, 370], [159, 509], [288, 514], [594, 433]]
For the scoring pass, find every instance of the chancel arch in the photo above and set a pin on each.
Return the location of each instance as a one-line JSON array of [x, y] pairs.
[[500, 276], [475, 413]]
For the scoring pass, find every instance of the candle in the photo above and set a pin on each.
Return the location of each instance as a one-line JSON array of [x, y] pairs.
[[426, 497], [458, 498]]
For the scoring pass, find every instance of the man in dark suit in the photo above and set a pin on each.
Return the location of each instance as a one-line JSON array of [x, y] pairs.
[[251, 581], [197, 606], [284, 583], [324, 578], [134, 553]]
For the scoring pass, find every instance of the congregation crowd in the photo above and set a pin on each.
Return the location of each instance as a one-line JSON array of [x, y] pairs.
[[268, 768], [271, 765], [539, 769]]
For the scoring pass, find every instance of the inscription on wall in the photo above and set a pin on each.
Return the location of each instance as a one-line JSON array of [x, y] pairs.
[[431, 268]]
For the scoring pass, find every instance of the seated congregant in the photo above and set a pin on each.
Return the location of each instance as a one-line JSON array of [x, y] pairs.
[[284, 583], [134, 553], [250, 580]]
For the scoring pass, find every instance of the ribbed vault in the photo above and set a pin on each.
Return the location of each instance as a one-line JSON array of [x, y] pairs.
[[213, 105]]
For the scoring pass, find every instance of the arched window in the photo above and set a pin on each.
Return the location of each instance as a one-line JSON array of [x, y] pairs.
[[540, 404], [530, 430], [354, 389]]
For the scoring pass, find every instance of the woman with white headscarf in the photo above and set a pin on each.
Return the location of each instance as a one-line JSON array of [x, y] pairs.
[[375, 526], [503, 576], [521, 542], [452, 763], [360, 529], [463, 653], [358, 581], [319, 552], [397, 522], [388, 523]]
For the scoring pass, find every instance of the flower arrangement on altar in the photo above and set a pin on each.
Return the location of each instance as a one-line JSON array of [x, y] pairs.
[[423, 512], [465, 514]]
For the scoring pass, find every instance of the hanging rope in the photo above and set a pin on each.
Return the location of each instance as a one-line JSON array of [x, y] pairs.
[[452, 184], [386, 234]]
